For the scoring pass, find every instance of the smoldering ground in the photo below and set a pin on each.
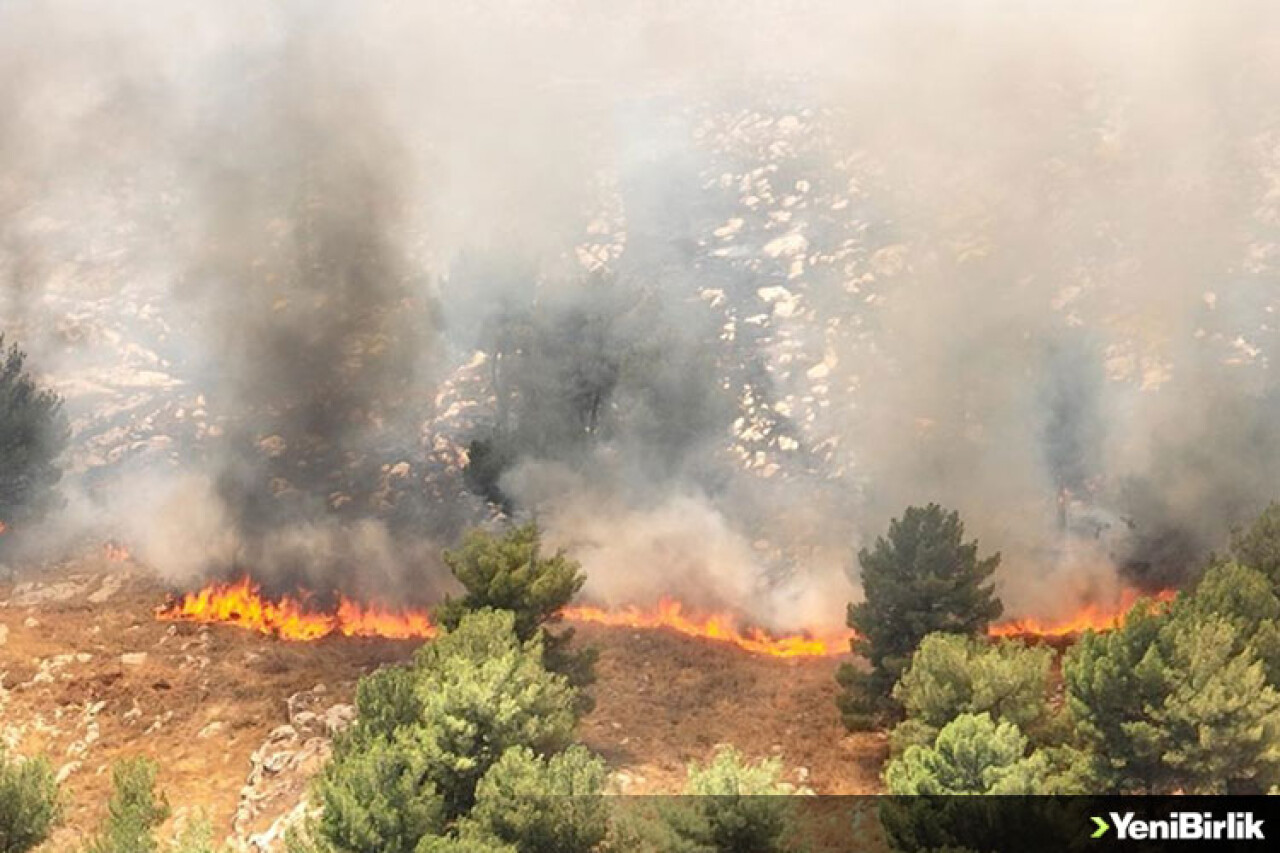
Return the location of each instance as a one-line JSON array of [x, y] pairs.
[[748, 279]]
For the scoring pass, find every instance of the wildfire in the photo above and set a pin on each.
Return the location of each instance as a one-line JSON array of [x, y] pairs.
[[1090, 617], [297, 618], [293, 618], [723, 628]]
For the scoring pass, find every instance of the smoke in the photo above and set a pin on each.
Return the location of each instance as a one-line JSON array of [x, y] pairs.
[[745, 280]]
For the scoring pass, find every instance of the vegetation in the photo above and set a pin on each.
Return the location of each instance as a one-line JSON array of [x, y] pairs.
[[33, 432], [416, 764], [134, 810], [950, 675], [732, 806], [921, 578], [538, 804], [972, 754], [469, 747], [30, 806], [738, 808], [1176, 701], [511, 573], [1179, 698], [1258, 545]]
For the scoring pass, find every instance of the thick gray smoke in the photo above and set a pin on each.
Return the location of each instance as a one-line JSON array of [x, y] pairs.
[[710, 289]]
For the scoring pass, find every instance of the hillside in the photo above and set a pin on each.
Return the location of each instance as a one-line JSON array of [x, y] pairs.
[[239, 721]]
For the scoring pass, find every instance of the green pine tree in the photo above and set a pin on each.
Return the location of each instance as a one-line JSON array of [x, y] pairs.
[[1258, 545], [972, 754], [511, 572], [921, 578], [426, 735], [951, 674], [33, 433], [1179, 700], [1219, 720], [540, 804]]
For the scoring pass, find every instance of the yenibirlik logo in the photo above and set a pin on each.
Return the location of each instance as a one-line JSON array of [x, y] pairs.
[[1183, 826]]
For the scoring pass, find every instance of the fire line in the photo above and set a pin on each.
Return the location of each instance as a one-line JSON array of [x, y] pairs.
[[297, 618]]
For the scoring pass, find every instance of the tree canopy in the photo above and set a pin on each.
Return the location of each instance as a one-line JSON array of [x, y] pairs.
[[951, 674], [510, 572], [919, 579], [33, 432]]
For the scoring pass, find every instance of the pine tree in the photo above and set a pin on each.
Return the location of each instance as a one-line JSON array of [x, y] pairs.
[[510, 572], [1179, 700], [952, 675], [1114, 680], [922, 578], [741, 806], [541, 804], [426, 735], [1258, 545], [1245, 597], [1220, 720], [33, 432], [972, 754]]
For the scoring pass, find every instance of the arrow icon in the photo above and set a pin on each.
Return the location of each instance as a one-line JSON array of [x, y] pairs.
[[1102, 828]]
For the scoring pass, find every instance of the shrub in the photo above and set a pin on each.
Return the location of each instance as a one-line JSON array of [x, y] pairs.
[[134, 810], [30, 804]]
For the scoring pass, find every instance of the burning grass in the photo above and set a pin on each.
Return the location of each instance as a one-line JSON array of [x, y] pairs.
[[301, 618]]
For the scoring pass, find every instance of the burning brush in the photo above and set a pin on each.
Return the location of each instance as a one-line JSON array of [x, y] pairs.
[[300, 618]]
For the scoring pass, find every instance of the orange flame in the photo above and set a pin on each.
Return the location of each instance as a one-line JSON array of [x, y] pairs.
[[294, 618], [719, 627], [241, 603], [1090, 617]]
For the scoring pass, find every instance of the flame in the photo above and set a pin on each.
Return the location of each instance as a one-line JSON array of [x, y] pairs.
[[293, 618], [719, 627], [115, 552], [1090, 617]]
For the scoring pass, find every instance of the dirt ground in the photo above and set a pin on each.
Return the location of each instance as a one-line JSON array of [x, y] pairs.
[[237, 720]]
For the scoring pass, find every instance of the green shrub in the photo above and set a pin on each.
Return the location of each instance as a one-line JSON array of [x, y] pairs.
[[427, 734], [30, 804], [738, 808], [134, 810]]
